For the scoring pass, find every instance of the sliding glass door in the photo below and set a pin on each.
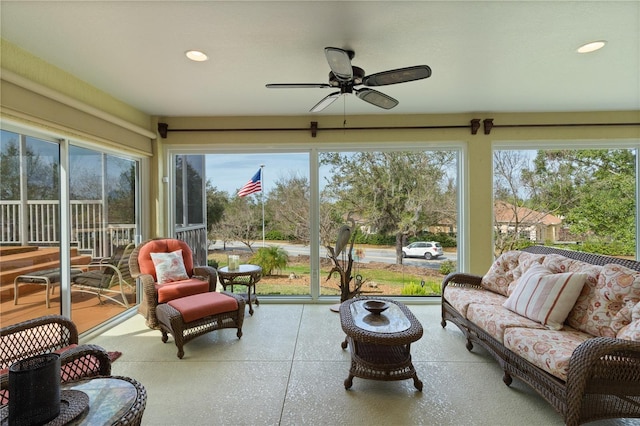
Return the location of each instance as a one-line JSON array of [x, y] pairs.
[[101, 228]]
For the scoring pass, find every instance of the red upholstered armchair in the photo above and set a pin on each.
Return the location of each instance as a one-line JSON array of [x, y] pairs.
[[165, 268]]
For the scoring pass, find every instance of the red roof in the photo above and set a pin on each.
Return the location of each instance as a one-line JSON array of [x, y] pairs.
[[508, 213]]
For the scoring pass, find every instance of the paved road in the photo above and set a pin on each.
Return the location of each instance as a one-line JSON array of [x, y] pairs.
[[385, 255]]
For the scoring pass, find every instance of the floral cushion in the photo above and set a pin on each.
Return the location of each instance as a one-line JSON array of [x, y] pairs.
[[545, 297], [630, 331], [558, 263], [604, 306], [169, 266], [495, 319], [548, 349], [461, 297], [507, 268]]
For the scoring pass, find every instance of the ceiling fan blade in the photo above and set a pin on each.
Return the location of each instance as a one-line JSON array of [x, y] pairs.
[[376, 98], [328, 100], [340, 63], [297, 85], [401, 75]]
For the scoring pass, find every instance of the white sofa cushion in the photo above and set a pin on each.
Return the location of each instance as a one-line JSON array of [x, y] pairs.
[[603, 308], [548, 349], [545, 297], [495, 319], [461, 297], [507, 268]]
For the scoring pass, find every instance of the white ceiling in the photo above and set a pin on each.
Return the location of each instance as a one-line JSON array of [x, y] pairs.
[[486, 56]]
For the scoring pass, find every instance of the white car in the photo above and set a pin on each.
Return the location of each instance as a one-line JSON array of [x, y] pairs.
[[426, 249]]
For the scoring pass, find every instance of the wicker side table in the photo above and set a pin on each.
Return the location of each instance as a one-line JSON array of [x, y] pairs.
[[380, 344], [246, 275]]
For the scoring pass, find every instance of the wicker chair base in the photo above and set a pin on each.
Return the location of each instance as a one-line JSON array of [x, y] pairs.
[[170, 322]]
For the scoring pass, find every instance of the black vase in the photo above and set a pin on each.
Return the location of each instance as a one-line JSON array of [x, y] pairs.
[[34, 390]]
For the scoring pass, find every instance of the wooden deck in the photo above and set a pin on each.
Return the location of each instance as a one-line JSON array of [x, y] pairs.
[[86, 310]]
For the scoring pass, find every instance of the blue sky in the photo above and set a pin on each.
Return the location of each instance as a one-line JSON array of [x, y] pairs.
[[229, 172]]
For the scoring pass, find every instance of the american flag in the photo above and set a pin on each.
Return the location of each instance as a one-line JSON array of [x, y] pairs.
[[252, 186]]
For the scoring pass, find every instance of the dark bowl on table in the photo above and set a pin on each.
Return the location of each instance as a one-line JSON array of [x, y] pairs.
[[376, 307]]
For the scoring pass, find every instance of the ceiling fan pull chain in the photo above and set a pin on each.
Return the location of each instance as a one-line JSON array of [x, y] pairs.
[[344, 112]]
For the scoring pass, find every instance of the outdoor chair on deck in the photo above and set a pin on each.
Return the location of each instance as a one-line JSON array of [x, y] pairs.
[[180, 298], [108, 278]]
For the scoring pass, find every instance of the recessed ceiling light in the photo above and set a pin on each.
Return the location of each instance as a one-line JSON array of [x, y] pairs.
[[196, 55], [591, 46]]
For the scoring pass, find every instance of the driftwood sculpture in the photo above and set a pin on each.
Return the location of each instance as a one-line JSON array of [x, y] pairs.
[[343, 268]]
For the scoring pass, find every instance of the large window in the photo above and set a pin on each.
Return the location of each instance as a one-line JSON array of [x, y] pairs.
[[400, 211], [382, 201], [578, 198], [102, 205]]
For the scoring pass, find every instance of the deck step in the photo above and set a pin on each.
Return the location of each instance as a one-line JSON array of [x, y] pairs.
[[15, 264], [8, 250]]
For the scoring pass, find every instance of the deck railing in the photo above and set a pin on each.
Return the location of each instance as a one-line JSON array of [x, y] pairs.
[[196, 237], [89, 233], [41, 226]]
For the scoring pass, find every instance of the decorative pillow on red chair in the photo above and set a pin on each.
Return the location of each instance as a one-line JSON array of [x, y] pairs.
[[169, 267], [163, 246]]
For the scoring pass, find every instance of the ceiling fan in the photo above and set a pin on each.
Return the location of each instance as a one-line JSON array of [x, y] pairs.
[[346, 77]]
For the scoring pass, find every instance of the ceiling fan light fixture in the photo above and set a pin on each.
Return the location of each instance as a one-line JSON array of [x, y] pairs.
[[196, 55], [592, 46]]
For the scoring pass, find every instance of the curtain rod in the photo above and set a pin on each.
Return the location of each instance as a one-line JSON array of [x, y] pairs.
[[163, 128], [473, 126], [488, 125]]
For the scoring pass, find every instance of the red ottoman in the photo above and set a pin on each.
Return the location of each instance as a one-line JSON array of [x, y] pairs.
[[189, 317]]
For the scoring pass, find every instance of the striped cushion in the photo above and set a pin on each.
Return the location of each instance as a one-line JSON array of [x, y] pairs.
[[545, 297]]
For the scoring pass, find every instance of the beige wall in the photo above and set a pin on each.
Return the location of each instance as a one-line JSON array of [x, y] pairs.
[[17, 103]]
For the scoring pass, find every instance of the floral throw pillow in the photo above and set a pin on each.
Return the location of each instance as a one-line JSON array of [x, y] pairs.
[[545, 297], [501, 273], [169, 267]]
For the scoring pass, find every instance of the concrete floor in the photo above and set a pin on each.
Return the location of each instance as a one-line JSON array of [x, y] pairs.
[[289, 368]]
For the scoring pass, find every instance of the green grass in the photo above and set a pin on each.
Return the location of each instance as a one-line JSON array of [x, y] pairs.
[[398, 282]]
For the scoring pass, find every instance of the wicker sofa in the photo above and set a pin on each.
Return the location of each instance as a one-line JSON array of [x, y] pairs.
[[587, 365]]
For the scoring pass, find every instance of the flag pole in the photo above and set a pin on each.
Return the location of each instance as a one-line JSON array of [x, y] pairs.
[[262, 197]]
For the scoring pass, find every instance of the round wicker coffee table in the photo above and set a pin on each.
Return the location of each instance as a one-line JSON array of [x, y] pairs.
[[380, 344]]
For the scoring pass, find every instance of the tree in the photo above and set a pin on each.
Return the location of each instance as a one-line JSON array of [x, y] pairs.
[[217, 201], [514, 186], [241, 221], [121, 196], [593, 190], [600, 203], [399, 193], [288, 208], [41, 171]]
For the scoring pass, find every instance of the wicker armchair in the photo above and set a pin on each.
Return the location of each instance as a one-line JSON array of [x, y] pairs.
[[142, 268], [52, 333]]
